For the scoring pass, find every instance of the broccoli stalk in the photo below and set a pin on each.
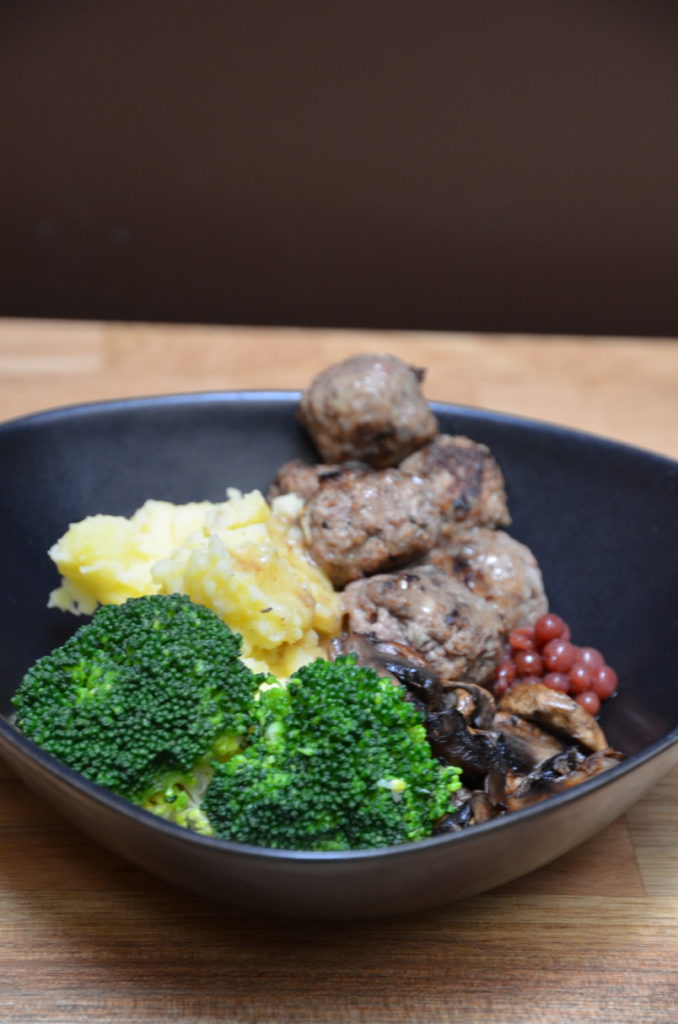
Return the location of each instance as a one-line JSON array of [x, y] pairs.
[[145, 699], [337, 759]]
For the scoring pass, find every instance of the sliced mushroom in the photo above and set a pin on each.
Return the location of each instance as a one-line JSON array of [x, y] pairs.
[[474, 702], [559, 774], [453, 742], [498, 781], [389, 658], [455, 821], [526, 744], [556, 711], [377, 654], [471, 807], [482, 807]]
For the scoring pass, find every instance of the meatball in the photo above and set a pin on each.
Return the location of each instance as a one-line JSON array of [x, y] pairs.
[[464, 479], [458, 633], [358, 524], [369, 407], [304, 479], [498, 568]]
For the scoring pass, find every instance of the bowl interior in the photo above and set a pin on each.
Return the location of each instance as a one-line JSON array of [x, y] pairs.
[[599, 516]]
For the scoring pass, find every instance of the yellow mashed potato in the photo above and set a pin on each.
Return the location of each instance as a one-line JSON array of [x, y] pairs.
[[243, 558]]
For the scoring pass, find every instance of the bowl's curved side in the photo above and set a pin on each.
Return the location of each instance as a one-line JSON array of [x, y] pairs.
[[346, 886], [599, 516]]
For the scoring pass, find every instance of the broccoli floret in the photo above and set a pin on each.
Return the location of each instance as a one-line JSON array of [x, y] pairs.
[[338, 759], [143, 700]]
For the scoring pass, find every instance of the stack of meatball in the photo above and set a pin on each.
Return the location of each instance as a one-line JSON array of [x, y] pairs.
[[407, 521]]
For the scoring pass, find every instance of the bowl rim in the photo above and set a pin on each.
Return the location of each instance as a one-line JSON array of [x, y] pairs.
[[12, 738], [291, 395]]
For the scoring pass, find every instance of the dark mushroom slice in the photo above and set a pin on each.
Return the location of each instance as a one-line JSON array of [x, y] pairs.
[[526, 745], [499, 780], [472, 807], [559, 774], [482, 807], [556, 712], [394, 658], [474, 702], [368, 407], [454, 742], [389, 658], [460, 816]]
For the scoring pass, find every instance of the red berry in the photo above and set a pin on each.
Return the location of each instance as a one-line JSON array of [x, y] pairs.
[[591, 657], [604, 682], [589, 701], [581, 678], [559, 655], [549, 627], [557, 681], [522, 639], [505, 670], [529, 663]]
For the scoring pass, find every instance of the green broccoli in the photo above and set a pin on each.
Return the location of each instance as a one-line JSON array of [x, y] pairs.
[[144, 699], [337, 759]]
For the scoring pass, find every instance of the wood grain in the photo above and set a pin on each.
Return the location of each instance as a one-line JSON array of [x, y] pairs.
[[591, 937]]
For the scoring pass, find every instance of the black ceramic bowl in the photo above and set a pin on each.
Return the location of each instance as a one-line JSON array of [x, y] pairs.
[[599, 516]]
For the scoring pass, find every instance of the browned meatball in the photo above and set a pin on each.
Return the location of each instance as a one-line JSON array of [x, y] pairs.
[[464, 479], [364, 523], [498, 568], [369, 407], [458, 633], [304, 479]]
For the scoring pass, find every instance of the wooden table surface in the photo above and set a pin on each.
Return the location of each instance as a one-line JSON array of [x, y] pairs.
[[592, 937]]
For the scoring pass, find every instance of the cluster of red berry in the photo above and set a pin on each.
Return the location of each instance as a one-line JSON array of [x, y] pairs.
[[544, 653]]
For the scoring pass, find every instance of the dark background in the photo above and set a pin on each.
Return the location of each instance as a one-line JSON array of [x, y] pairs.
[[463, 164]]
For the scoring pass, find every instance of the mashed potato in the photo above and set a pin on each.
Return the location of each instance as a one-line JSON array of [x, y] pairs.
[[243, 558]]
